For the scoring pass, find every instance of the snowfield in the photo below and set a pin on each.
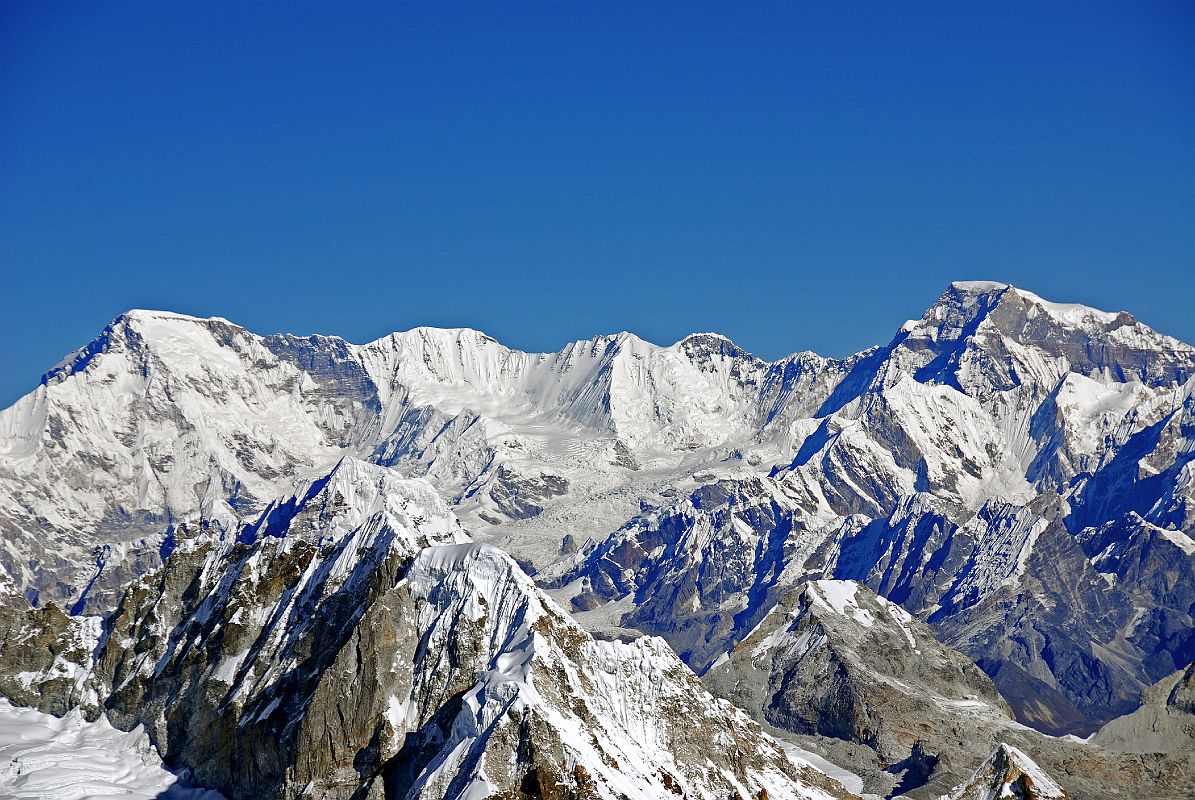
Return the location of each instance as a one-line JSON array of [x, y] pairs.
[[43, 757]]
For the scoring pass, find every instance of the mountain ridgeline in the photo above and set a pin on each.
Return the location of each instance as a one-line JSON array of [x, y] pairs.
[[433, 566]]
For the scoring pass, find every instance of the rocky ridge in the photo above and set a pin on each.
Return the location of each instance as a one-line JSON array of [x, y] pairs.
[[352, 643], [835, 662], [1008, 773]]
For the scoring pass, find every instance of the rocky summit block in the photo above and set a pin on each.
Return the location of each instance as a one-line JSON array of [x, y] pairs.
[[1008, 773]]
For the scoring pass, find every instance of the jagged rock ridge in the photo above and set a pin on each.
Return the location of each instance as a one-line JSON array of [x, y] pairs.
[[1009, 773], [352, 643], [836, 662]]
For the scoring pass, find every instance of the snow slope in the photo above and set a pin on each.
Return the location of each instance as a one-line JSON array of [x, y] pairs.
[[43, 757]]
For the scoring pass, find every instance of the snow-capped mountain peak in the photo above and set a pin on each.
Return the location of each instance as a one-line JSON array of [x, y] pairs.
[[1007, 470], [1001, 320]]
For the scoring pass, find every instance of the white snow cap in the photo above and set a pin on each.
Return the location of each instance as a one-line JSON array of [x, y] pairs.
[[1068, 313], [979, 286]]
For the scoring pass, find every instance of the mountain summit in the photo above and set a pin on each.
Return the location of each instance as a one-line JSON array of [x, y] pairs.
[[1012, 474]]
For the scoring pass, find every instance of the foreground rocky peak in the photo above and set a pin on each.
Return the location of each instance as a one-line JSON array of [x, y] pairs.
[[1009, 773], [350, 644], [834, 660], [1164, 723], [630, 718]]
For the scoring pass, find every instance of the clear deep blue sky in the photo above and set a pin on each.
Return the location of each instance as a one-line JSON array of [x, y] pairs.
[[791, 175]]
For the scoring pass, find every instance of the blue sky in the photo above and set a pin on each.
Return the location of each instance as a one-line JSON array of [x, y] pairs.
[[792, 175]]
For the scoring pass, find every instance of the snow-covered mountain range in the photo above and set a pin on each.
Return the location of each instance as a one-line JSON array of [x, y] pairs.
[[257, 518]]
